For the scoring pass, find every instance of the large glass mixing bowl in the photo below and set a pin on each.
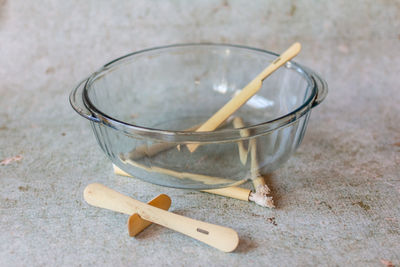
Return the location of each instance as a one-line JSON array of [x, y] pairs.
[[143, 108]]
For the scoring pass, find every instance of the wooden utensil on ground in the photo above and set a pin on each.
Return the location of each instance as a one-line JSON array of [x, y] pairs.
[[222, 238], [232, 191], [246, 93], [136, 224]]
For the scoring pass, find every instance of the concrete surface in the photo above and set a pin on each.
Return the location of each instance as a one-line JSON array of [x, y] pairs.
[[338, 198]]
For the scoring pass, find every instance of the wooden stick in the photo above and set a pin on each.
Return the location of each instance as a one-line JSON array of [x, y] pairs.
[[257, 179], [259, 197], [232, 191], [261, 188], [152, 150], [246, 93], [136, 224], [243, 152], [210, 180], [222, 238]]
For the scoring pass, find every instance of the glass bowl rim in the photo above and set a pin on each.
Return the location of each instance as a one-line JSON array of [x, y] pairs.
[[222, 135]]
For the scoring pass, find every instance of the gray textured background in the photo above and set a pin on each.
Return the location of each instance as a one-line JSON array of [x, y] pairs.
[[337, 199]]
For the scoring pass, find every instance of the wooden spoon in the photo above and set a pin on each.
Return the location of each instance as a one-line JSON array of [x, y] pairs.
[[222, 238]]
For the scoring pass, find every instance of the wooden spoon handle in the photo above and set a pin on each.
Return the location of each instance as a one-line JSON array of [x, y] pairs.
[[246, 93], [222, 238]]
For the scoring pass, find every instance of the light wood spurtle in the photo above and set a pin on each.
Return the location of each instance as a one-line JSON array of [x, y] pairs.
[[246, 93], [222, 238]]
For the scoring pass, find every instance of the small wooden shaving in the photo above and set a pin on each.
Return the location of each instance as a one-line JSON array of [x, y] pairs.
[[263, 189], [262, 199], [10, 160], [387, 263], [272, 220]]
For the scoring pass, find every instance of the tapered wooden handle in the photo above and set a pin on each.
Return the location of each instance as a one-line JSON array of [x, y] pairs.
[[246, 93], [289, 53], [222, 238]]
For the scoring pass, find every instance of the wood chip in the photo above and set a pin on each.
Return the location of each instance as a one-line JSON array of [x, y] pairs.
[[272, 220], [10, 160], [387, 263]]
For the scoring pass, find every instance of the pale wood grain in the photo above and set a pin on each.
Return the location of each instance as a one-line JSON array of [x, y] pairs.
[[246, 93], [220, 237], [232, 191], [136, 224]]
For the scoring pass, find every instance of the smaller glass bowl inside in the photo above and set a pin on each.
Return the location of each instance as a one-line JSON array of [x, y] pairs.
[[144, 108]]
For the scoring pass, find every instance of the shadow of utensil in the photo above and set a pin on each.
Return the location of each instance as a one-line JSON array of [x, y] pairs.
[[150, 232], [245, 245]]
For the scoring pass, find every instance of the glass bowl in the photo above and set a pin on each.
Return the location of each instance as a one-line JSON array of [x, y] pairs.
[[144, 107]]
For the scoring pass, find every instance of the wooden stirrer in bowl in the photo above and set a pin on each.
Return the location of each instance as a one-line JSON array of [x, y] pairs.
[[246, 93], [262, 191]]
